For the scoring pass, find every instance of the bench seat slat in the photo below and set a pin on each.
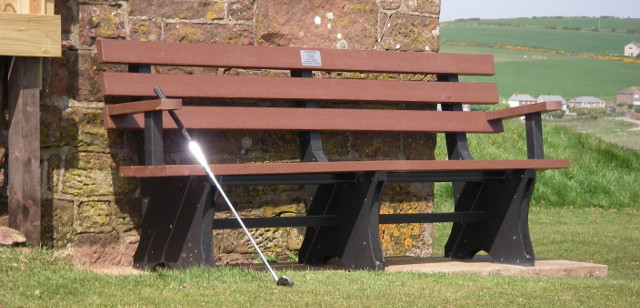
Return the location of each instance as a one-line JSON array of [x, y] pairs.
[[345, 167], [169, 53], [315, 89], [320, 119]]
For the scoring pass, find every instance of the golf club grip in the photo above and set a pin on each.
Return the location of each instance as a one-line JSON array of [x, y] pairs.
[[173, 115]]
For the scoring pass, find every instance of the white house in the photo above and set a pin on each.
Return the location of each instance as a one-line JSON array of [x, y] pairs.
[[587, 102], [632, 49], [520, 99], [552, 98]]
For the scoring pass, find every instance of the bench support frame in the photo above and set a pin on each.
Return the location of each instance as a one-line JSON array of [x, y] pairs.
[[355, 240]]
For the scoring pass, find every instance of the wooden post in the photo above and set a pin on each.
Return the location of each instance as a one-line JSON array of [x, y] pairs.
[[26, 19], [24, 147]]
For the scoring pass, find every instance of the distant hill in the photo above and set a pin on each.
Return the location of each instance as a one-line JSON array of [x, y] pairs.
[[602, 24], [551, 55]]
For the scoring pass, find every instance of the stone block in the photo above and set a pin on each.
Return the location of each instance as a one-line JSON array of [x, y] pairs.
[[331, 24], [146, 30], [88, 78], [372, 146], [63, 72], [431, 7], [88, 183], [94, 217], [74, 126], [241, 9], [406, 239], [183, 9], [210, 33], [389, 4], [57, 223], [106, 21], [410, 33]]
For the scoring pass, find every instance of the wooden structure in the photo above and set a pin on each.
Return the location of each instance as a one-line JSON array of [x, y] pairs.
[[492, 196], [28, 31]]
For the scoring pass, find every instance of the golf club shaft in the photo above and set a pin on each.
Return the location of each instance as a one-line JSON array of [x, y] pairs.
[[199, 155]]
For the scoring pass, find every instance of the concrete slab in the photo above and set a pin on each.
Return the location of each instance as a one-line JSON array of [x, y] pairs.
[[482, 265]]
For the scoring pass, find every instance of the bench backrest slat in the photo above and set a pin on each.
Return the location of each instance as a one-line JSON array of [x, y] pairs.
[[289, 58], [237, 87], [320, 119]]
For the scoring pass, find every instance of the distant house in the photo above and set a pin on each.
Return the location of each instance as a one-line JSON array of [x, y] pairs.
[[629, 96], [551, 98], [521, 99], [632, 49], [586, 102]]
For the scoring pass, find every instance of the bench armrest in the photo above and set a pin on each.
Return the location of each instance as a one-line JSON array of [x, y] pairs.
[[533, 123], [514, 112], [142, 106]]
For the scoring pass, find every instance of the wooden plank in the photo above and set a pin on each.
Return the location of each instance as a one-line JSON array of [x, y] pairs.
[[345, 166], [317, 119], [142, 106], [169, 53], [24, 148], [30, 35], [237, 87], [523, 110]]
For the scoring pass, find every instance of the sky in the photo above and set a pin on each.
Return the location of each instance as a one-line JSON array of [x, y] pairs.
[[493, 9]]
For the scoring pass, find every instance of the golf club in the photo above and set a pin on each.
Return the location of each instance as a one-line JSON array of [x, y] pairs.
[[196, 151]]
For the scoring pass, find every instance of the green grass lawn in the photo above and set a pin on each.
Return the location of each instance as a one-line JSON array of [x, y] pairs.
[[588, 213], [605, 24], [42, 279], [615, 131], [537, 73], [605, 43]]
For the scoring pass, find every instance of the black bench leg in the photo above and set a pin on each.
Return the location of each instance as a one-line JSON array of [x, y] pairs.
[[505, 233], [355, 241], [177, 227]]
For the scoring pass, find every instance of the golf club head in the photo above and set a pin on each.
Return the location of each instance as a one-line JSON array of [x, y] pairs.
[[285, 281]]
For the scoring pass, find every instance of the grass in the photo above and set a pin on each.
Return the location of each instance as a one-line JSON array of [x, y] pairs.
[[540, 72], [600, 175], [537, 73], [588, 213], [42, 279], [613, 131], [605, 24], [605, 43]]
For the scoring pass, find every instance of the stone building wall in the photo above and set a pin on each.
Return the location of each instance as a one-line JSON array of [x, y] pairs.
[[96, 214]]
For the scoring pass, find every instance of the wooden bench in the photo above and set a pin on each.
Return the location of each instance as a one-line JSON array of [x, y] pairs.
[[491, 196]]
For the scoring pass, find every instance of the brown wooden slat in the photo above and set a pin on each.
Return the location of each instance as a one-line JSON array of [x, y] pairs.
[[235, 87], [345, 166], [320, 119], [24, 144], [522, 110], [168, 53], [142, 106]]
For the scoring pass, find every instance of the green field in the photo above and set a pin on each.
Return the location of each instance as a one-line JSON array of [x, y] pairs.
[[537, 73], [605, 43], [542, 72], [586, 23]]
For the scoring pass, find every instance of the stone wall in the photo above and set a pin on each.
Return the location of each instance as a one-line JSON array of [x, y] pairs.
[[90, 210]]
